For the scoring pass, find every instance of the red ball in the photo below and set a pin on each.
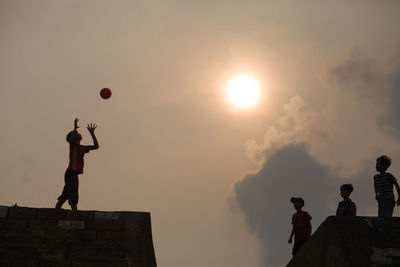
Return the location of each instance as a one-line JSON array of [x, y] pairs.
[[105, 93]]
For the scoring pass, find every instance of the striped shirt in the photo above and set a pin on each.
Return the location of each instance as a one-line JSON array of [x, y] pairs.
[[384, 185]]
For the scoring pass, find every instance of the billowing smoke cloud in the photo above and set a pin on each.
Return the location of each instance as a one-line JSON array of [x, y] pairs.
[[298, 124], [357, 69], [378, 86], [264, 198], [389, 120], [289, 167]]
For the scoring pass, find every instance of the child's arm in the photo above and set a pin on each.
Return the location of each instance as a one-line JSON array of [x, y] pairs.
[[91, 127], [76, 124], [396, 184], [291, 236]]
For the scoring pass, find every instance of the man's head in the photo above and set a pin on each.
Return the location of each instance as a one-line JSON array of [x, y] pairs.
[[345, 190], [298, 202], [74, 137], [383, 163]]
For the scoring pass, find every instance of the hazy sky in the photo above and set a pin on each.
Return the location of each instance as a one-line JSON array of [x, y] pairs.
[[216, 179]]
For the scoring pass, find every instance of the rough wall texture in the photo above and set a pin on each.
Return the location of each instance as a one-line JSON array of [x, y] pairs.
[[352, 242], [31, 237]]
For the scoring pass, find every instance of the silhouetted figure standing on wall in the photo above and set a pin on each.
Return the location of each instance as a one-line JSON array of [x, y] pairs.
[[301, 222], [75, 167], [347, 206], [383, 184]]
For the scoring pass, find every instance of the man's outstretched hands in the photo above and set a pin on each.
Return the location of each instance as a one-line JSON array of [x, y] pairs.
[[76, 124], [91, 127]]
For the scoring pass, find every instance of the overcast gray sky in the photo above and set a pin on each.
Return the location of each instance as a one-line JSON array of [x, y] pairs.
[[217, 179]]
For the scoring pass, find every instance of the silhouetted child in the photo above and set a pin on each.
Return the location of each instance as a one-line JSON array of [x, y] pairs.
[[347, 206], [75, 167], [301, 225], [383, 184]]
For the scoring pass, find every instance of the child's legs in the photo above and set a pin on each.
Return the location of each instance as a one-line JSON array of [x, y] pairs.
[[70, 191], [380, 208], [74, 207], [387, 208], [65, 195], [297, 246], [73, 187], [60, 203]]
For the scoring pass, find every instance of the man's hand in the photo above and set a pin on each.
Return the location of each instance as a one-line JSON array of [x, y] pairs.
[[76, 124], [290, 241], [91, 127]]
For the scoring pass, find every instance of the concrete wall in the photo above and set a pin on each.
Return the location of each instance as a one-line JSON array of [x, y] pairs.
[[324, 249], [31, 237], [350, 241]]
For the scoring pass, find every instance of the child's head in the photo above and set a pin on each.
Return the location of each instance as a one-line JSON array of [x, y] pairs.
[[298, 202], [74, 137], [345, 190], [383, 163]]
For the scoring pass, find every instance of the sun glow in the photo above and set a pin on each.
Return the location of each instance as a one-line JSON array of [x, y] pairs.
[[243, 91]]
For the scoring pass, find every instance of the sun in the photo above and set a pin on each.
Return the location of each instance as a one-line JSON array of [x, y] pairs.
[[243, 91]]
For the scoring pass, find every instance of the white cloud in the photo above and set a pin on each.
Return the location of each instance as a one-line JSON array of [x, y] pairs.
[[298, 124]]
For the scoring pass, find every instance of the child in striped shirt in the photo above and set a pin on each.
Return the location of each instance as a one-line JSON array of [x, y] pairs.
[[383, 184]]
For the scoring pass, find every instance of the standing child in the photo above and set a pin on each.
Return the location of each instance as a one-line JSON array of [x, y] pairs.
[[301, 225], [75, 167], [383, 184], [347, 206]]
